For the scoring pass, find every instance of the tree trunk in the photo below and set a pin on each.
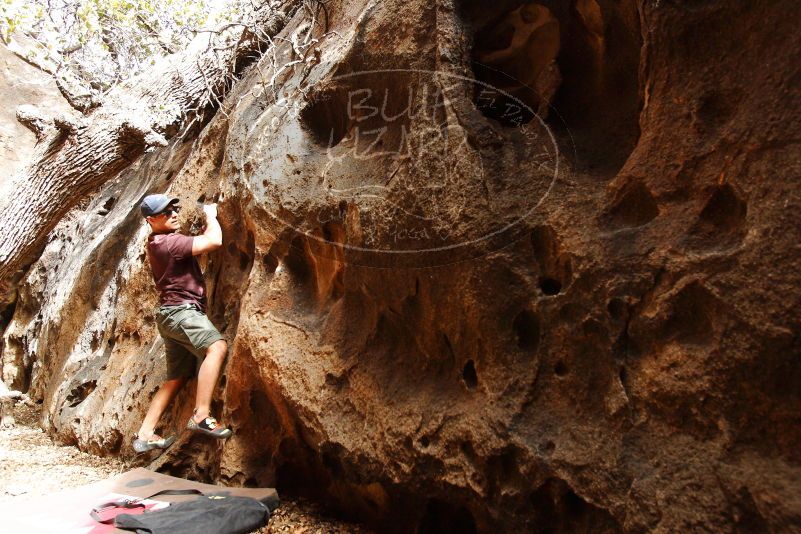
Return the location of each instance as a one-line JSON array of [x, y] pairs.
[[76, 156]]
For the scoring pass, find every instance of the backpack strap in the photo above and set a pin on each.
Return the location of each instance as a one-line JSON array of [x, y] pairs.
[[135, 503]]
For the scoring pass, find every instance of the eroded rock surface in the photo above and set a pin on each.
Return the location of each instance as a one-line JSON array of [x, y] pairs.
[[452, 311]]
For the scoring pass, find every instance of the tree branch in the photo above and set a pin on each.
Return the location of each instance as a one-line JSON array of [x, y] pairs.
[[164, 46], [83, 102], [33, 119]]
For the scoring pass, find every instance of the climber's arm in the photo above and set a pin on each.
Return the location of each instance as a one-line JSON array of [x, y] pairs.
[[211, 239]]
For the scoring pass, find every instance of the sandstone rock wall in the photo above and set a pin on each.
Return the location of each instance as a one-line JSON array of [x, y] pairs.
[[457, 302]]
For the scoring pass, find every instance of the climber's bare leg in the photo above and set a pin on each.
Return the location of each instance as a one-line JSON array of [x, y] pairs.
[[161, 400], [207, 378]]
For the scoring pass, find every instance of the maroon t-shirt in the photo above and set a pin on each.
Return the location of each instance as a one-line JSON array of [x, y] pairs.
[[175, 271]]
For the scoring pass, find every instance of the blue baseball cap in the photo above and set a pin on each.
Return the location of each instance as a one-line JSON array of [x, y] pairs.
[[155, 204]]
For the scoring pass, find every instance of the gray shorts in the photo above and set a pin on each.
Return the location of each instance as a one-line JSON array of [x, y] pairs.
[[187, 333]]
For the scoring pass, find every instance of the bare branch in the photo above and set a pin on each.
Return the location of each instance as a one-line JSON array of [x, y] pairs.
[[33, 119], [82, 102], [164, 46], [30, 61], [70, 49], [142, 132], [67, 124]]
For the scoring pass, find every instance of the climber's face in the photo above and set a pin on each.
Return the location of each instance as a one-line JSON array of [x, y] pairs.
[[166, 221]]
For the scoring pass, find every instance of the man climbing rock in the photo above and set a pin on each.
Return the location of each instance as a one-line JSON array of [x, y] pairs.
[[181, 319]]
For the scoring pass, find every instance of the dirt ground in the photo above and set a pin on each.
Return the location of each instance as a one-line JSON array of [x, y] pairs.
[[32, 465]]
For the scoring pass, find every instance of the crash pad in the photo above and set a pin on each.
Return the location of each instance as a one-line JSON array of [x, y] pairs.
[[67, 511]]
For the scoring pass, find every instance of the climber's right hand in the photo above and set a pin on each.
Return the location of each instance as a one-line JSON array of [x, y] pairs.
[[210, 210]]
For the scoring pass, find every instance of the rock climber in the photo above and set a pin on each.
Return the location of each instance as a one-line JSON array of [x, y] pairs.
[[189, 336]]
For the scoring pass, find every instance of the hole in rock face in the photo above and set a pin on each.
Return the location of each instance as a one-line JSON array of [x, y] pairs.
[[326, 117], [332, 276], [724, 209], [633, 206], [441, 517], [558, 509], [7, 313], [270, 262], [576, 63], [334, 380], [259, 403], [333, 232], [555, 266], [560, 369], [550, 286], [515, 55], [315, 265], [368, 112], [80, 393], [295, 474], [715, 108], [469, 375], [746, 514], [107, 206], [244, 261], [333, 464], [693, 316], [598, 103], [301, 268], [504, 465], [94, 343], [296, 261], [616, 308], [527, 329], [721, 223]]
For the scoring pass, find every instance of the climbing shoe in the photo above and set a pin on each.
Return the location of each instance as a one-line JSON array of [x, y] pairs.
[[155, 442], [210, 427]]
